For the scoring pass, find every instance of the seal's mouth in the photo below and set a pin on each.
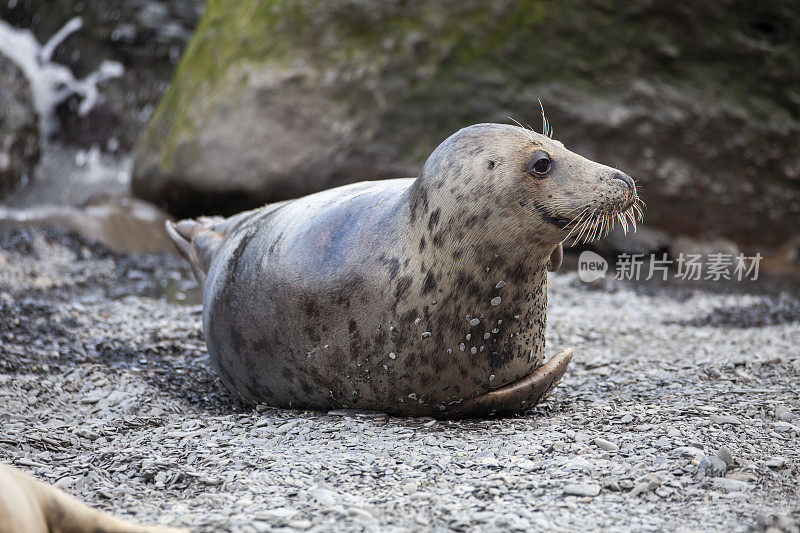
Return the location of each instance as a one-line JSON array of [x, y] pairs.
[[591, 222]]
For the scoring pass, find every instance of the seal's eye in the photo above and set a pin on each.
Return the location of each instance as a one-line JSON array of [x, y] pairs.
[[542, 166], [539, 164]]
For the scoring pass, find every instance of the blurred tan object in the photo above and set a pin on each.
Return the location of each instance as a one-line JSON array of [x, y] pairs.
[[29, 506], [125, 224], [786, 259]]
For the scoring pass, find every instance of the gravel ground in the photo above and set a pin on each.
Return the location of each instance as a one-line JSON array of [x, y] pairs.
[[680, 412]]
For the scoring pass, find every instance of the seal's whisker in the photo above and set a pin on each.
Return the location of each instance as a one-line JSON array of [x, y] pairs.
[[591, 223], [583, 208], [577, 221], [521, 126], [574, 220], [592, 226], [574, 228], [602, 227], [584, 226], [588, 237], [623, 223], [595, 226], [547, 130], [633, 221], [638, 209], [598, 230], [580, 227]]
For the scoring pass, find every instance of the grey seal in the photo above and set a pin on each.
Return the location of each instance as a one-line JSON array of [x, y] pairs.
[[417, 296]]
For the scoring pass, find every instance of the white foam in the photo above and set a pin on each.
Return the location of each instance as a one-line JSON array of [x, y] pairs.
[[52, 83]]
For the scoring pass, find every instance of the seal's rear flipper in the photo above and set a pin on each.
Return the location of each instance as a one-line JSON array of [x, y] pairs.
[[519, 395], [197, 241]]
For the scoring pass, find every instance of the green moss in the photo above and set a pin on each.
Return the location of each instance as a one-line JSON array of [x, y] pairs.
[[228, 34]]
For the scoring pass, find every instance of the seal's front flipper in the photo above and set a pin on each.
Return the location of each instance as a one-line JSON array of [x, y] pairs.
[[556, 257], [519, 395], [197, 241]]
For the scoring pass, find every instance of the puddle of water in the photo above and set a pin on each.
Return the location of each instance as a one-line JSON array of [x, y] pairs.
[[183, 291]]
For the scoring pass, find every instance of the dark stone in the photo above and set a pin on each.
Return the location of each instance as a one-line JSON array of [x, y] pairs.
[[19, 131]]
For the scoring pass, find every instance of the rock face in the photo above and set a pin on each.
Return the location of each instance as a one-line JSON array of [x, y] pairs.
[[19, 133], [278, 99]]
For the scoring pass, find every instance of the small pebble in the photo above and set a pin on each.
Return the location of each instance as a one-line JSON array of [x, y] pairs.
[[663, 442], [725, 454], [582, 489], [712, 466], [606, 445], [725, 419], [640, 488], [729, 485], [777, 462]]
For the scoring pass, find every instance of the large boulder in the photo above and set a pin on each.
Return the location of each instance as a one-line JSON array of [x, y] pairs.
[[698, 101], [19, 133]]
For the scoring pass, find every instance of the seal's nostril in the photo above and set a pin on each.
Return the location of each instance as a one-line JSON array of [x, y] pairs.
[[624, 177]]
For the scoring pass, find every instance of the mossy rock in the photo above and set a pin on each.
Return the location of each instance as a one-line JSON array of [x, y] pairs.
[[276, 99]]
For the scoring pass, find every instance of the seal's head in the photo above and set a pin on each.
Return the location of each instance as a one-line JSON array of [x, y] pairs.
[[574, 194], [535, 188]]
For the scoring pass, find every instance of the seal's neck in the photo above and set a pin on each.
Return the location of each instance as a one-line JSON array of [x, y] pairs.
[[453, 231]]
